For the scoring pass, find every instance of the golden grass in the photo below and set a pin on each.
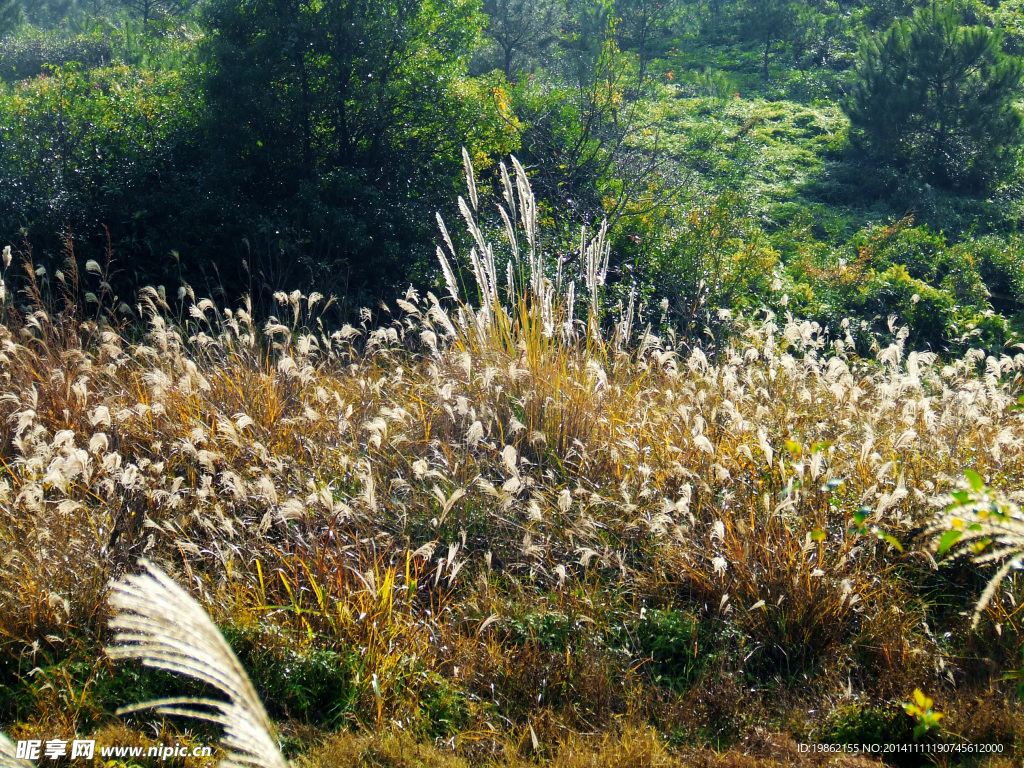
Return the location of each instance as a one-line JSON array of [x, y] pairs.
[[486, 504]]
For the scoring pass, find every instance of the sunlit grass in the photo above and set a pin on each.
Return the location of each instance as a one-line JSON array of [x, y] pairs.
[[465, 514]]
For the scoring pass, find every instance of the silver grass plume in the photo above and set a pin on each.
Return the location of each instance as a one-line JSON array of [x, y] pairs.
[[988, 528], [520, 206], [9, 755], [506, 186], [159, 623], [470, 178]]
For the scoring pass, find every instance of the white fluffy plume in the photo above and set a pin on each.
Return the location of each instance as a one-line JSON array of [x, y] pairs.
[[9, 755], [159, 623]]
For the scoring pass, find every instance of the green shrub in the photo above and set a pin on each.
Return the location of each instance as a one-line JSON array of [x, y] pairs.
[[677, 645], [984, 330], [550, 631], [916, 248], [1001, 266], [925, 311], [28, 56], [83, 150], [866, 724], [310, 684]]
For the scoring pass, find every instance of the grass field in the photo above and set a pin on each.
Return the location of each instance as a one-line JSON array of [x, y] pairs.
[[488, 533]]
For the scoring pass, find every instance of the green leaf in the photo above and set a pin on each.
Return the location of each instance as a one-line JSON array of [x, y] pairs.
[[892, 541], [817, 535], [977, 484], [859, 517], [980, 545], [949, 538]]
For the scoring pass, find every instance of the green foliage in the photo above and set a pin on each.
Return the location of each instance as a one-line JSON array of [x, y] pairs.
[[981, 523], [551, 632], [648, 28], [317, 140], [339, 123], [921, 708], [1000, 264], [677, 645], [149, 11], [10, 16], [936, 98], [703, 259], [988, 331], [520, 34], [773, 23], [33, 54], [916, 248], [925, 311], [576, 132], [444, 709], [50, 13], [84, 150], [865, 724], [314, 685]]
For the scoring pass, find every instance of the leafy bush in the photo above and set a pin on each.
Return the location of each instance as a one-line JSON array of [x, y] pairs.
[[925, 311], [678, 646], [700, 260], [89, 151], [1000, 263], [30, 55], [866, 724], [311, 684], [916, 248]]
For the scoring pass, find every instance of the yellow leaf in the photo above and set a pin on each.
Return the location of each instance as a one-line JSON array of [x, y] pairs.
[[922, 701]]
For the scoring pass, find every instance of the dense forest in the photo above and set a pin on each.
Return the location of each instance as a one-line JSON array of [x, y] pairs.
[[513, 382], [828, 159]]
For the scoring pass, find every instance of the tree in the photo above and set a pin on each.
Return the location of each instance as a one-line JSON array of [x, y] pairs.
[[10, 16], [936, 98], [646, 27], [772, 23], [340, 122], [150, 10], [521, 30], [300, 87], [47, 13]]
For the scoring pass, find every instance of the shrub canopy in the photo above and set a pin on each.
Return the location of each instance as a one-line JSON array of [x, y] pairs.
[[936, 96]]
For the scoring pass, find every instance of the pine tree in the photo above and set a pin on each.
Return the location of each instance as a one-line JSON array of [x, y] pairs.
[[148, 11], [772, 24], [935, 98], [521, 31], [10, 16]]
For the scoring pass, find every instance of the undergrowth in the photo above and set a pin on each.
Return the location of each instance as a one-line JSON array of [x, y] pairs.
[[508, 527]]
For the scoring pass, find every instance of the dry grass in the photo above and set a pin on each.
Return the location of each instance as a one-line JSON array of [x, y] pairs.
[[475, 512]]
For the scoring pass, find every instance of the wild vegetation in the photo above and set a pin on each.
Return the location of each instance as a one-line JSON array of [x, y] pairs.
[[496, 528], [689, 434]]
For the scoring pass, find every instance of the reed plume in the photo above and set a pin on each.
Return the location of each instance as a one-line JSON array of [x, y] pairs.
[[9, 755], [160, 624], [985, 526]]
